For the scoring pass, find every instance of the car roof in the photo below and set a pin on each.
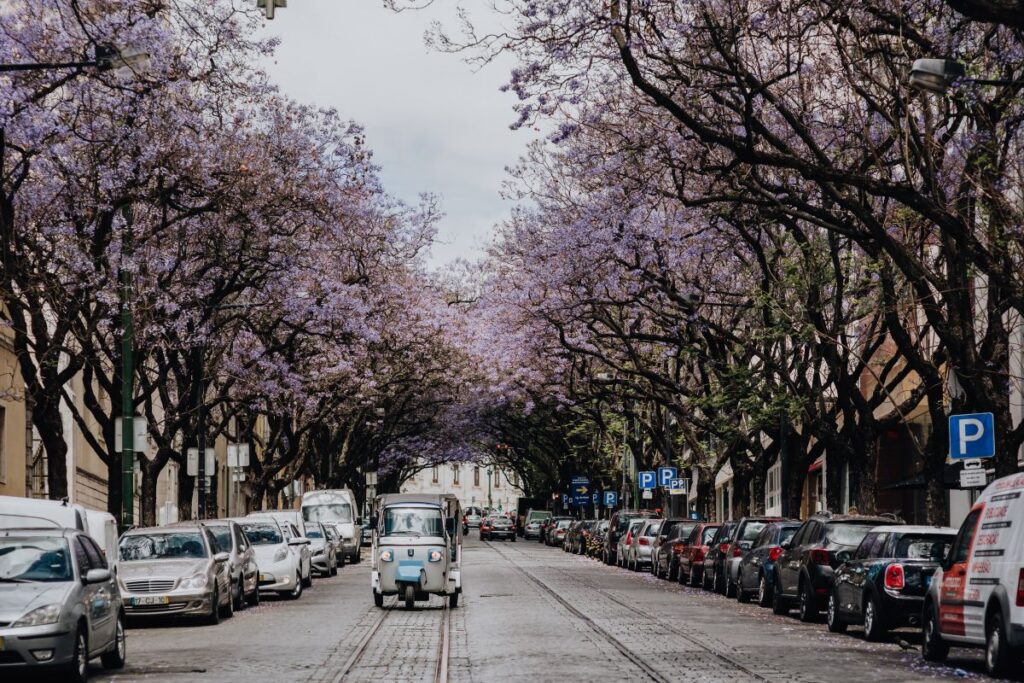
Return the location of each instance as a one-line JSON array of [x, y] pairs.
[[914, 529], [858, 519], [57, 532]]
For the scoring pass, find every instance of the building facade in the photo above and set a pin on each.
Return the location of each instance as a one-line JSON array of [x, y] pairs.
[[476, 484]]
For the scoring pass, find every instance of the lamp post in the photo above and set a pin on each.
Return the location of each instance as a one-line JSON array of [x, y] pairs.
[[269, 6]]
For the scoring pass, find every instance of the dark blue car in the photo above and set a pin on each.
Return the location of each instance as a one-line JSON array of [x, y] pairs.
[[757, 568]]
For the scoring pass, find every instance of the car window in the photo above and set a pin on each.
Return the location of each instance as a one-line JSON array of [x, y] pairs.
[[240, 540], [965, 537], [878, 546], [81, 556], [162, 545], [652, 529], [262, 533], [751, 530], [922, 546], [864, 548], [96, 557], [801, 534], [222, 536], [709, 535], [35, 558], [764, 537]]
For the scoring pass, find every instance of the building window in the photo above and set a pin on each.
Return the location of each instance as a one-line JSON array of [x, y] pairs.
[[773, 490], [455, 472], [497, 479], [476, 476], [434, 474], [515, 479]]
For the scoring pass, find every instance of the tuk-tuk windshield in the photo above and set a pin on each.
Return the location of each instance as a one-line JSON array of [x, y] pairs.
[[402, 521]]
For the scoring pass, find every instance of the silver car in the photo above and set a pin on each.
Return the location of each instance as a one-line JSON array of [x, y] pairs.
[[622, 555], [59, 604], [324, 560], [638, 554], [245, 574], [175, 570], [281, 567], [337, 542]]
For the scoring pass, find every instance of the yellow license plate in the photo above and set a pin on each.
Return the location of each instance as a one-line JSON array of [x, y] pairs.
[[152, 600]]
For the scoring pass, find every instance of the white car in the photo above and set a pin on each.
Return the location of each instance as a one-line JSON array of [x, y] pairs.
[[976, 597], [282, 555], [473, 515]]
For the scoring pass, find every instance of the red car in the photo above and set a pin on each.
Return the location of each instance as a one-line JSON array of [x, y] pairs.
[[691, 558]]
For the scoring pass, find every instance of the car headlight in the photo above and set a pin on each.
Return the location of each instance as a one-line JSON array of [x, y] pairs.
[[40, 616], [281, 554], [435, 556], [387, 556], [194, 582]]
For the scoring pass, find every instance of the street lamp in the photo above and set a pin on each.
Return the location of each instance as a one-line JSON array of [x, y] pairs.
[[271, 5], [937, 75]]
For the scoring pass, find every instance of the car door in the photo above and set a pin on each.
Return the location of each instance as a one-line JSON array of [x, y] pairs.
[[106, 601], [953, 617], [849, 578], [788, 566], [88, 597], [247, 556]]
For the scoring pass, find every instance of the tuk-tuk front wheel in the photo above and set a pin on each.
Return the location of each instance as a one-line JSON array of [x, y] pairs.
[[378, 599], [410, 596]]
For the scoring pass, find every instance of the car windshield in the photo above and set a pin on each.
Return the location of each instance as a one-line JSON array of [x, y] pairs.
[[751, 530], [223, 536], [400, 521], [564, 523], [847, 534], [160, 546], [708, 535], [34, 558], [328, 512], [263, 534], [500, 521], [923, 547], [787, 533], [313, 532], [652, 530], [624, 522]]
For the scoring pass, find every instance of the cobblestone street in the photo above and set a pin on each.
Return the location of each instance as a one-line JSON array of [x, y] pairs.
[[528, 613]]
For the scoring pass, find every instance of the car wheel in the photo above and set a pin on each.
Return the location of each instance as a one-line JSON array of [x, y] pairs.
[[410, 596], [730, 588], [933, 647], [334, 569], [874, 624], [228, 610], [741, 595], [78, 668], [764, 592], [308, 581], [719, 583], [240, 601], [296, 592], [357, 557], [115, 658], [835, 622], [779, 604], [695, 580], [999, 655], [254, 597], [513, 539], [213, 618], [673, 572], [808, 610], [378, 599]]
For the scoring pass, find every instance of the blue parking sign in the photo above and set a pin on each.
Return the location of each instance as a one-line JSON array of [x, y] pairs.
[[972, 436], [611, 499], [645, 480], [665, 476]]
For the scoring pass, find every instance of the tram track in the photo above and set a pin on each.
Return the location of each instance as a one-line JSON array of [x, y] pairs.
[[668, 626]]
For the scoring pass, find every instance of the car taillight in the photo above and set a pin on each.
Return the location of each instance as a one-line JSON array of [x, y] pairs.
[[894, 579], [723, 548], [737, 552], [819, 556], [1020, 588], [628, 539], [644, 541], [698, 554], [774, 553], [677, 548]]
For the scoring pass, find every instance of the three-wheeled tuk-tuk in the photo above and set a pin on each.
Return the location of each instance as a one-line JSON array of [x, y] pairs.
[[416, 548]]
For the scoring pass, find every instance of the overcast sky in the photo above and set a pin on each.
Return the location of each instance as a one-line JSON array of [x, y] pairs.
[[434, 124]]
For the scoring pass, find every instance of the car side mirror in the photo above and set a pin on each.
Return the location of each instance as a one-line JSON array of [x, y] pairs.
[[843, 556], [221, 557], [97, 576]]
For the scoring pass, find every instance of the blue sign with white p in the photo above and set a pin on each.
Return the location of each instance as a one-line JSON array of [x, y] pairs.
[[611, 499], [645, 480], [972, 436], [665, 476]]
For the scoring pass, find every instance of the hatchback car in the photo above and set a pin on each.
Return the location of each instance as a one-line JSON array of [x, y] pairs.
[[501, 527], [617, 528], [473, 516], [668, 545], [337, 542], [691, 559], [297, 542], [622, 558], [176, 570], [282, 570], [804, 570], [324, 559], [556, 530], [639, 551], [245, 575], [59, 604], [883, 585], [976, 598], [741, 541], [714, 560], [757, 568]]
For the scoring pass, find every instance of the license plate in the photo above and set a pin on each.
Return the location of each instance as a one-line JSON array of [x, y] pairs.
[[150, 600]]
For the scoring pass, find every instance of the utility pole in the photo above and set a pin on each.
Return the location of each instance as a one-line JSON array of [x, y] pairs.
[[127, 378]]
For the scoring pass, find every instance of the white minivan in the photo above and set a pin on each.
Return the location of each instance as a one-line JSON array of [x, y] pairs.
[[18, 512], [976, 597], [336, 507]]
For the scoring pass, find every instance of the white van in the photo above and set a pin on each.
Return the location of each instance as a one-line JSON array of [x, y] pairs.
[[35, 512], [976, 598], [338, 508], [103, 530]]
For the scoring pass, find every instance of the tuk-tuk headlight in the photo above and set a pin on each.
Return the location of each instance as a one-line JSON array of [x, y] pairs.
[[435, 556], [387, 555]]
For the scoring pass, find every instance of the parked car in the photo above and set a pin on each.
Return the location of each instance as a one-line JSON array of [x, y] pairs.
[[282, 569], [296, 539], [617, 528], [595, 542], [532, 523], [668, 545], [571, 534], [23, 513], [60, 606], [175, 570], [739, 543], [714, 559], [245, 574], [804, 570], [473, 516], [501, 528], [337, 542], [556, 530], [757, 568], [639, 551], [325, 562], [883, 585], [976, 597], [623, 547], [335, 507], [583, 534], [691, 558]]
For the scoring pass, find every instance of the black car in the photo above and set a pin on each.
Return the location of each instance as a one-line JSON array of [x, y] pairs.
[[616, 530], [803, 573], [884, 584], [714, 562], [668, 544], [757, 568], [499, 526]]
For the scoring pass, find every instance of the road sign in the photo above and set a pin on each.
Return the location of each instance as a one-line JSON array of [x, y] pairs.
[[565, 500], [679, 487], [596, 498], [611, 499], [192, 462], [648, 494], [646, 480], [238, 455], [140, 435], [973, 474], [580, 490], [665, 476], [972, 436]]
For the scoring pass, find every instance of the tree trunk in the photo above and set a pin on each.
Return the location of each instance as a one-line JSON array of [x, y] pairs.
[[47, 420], [147, 494], [186, 485]]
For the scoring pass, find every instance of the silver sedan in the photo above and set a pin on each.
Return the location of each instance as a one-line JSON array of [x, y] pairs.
[[175, 570], [59, 604]]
